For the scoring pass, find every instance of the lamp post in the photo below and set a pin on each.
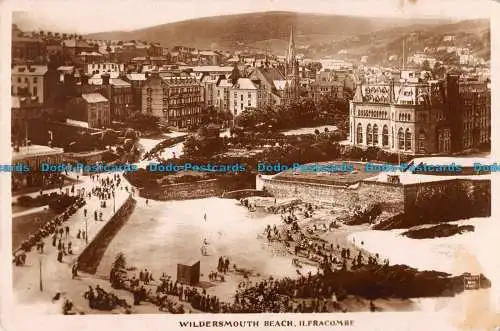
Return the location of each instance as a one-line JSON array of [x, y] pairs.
[[114, 205], [40, 258]]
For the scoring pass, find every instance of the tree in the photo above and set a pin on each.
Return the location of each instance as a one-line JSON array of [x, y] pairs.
[[120, 261], [439, 71], [426, 66]]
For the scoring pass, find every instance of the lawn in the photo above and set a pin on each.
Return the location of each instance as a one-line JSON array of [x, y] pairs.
[[24, 226], [329, 178]]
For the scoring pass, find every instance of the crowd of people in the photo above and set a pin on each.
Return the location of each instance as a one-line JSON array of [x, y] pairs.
[[101, 300], [53, 226]]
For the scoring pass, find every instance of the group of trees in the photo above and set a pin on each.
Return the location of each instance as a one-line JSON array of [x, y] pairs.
[[143, 122], [304, 113], [217, 116]]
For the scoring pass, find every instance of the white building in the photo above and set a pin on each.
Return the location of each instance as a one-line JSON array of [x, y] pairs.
[[242, 96], [31, 80], [97, 69], [335, 64]]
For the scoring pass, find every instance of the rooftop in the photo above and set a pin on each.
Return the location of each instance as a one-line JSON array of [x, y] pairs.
[[33, 70], [407, 178], [245, 84], [212, 69], [119, 82], [462, 161], [34, 150], [94, 98], [136, 76]]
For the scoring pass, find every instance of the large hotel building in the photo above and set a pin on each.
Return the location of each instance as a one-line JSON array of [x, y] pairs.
[[418, 118]]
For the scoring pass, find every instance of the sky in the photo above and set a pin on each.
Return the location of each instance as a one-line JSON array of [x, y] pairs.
[[108, 15]]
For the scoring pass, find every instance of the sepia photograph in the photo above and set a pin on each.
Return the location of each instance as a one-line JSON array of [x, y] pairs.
[[220, 157]]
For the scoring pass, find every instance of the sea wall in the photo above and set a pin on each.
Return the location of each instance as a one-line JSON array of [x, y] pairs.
[[184, 191], [397, 198], [89, 259], [457, 193], [389, 195]]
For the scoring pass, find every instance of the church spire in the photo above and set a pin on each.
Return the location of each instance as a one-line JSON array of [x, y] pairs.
[[291, 50]]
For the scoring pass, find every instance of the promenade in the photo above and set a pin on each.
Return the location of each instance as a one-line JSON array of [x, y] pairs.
[[56, 276]]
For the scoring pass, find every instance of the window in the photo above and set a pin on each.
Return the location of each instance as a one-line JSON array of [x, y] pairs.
[[241, 97], [369, 134], [401, 139], [407, 140], [385, 136], [359, 134], [249, 103], [241, 106], [18, 79], [35, 80], [375, 135], [35, 91], [26, 79]]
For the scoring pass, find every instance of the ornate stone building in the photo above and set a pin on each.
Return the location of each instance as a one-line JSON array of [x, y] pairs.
[[421, 117], [398, 118]]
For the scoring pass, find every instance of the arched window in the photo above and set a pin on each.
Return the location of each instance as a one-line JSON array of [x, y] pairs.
[[421, 142], [375, 135], [369, 134], [407, 139], [359, 134], [385, 136], [401, 139], [392, 137]]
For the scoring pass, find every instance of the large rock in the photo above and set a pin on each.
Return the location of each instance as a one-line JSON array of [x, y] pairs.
[[440, 230]]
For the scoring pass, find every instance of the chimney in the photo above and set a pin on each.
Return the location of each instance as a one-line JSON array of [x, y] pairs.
[[105, 79]]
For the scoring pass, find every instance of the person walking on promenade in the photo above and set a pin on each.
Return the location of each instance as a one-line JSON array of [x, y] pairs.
[[74, 270]]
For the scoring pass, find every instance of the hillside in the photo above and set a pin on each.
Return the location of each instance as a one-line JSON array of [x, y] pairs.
[[378, 45], [248, 29]]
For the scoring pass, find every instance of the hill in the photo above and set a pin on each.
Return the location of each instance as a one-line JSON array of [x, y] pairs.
[[378, 45], [231, 31]]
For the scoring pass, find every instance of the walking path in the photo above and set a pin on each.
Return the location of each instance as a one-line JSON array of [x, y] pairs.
[[56, 276]]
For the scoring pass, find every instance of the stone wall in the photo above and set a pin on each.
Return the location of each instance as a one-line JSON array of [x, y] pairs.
[[476, 194], [390, 196], [395, 198], [89, 259], [184, 191]]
